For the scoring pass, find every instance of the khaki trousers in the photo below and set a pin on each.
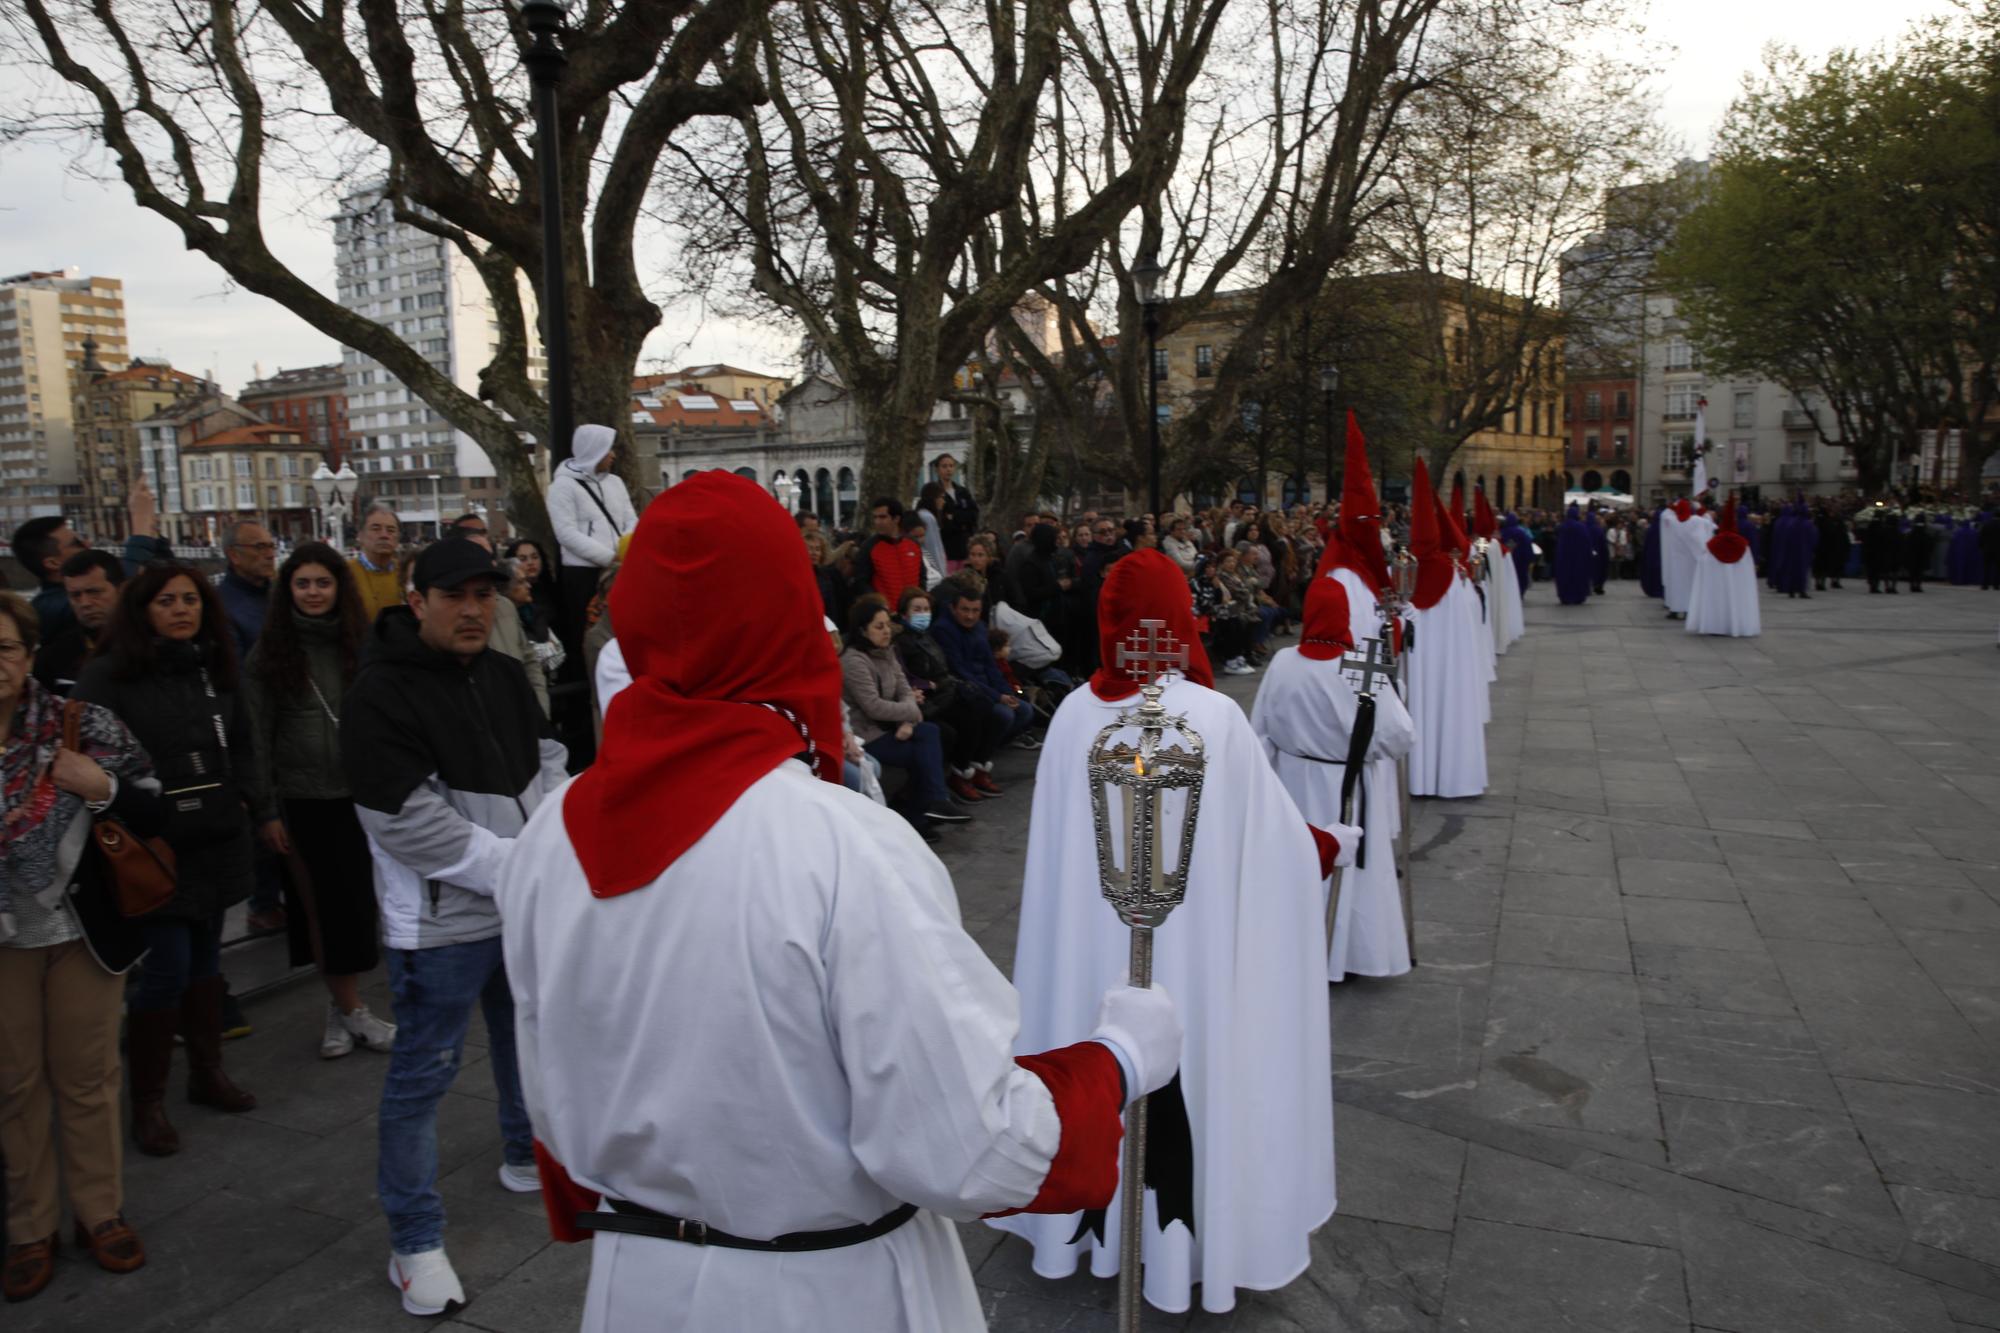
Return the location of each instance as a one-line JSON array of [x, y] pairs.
[[59, 1015]]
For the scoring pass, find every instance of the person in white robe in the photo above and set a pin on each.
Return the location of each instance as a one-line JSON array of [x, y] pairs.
[[1449, 657], [1243, 956], [1723, 598], [1503, 588], [765, 1065], [1305, 714], [1676, 557]]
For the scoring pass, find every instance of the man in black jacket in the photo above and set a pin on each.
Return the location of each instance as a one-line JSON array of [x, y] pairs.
[[90, 581], [959, 518], [448, 754]]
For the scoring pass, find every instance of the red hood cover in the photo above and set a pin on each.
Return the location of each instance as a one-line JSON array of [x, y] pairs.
[[1329, 631], [1728, 545], [1356, 540], [1145, 585], [1484, 524], [713, 632], [1434, 572]]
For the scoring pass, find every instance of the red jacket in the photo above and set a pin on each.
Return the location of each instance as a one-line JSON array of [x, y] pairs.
[[895, 566]]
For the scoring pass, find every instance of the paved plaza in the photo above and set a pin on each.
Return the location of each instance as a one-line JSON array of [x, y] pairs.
[[1705, 1034]]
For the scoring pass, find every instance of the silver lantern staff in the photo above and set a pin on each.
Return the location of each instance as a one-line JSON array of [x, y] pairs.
[[1146, 889], [1403, 588]]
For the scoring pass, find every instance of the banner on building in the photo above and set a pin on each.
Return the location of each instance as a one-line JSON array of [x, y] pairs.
[[1740, 454]]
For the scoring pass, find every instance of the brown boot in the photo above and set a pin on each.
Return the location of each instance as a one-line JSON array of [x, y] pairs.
[[113, 1243], [29, 1268], [201, 1028], [149, 1054]]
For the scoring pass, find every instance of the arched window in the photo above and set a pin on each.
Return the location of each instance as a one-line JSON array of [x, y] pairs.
[[823, 494], [1621, 481], [1517, 490], [1479, 482], [1297, 490], [1569, 481], [1593, 481], [749, 472], [805, 500], [849, 493], [1249, 491]]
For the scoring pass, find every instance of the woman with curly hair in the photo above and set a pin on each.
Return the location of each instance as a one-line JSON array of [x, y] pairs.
[[294, 682]]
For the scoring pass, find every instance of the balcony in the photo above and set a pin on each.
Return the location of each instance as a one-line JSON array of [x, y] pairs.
[[1799, 420], [1678, 416], [1798, 472]]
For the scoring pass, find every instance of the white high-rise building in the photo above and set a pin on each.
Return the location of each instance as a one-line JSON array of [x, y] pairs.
[[430, 295], [44, 319]]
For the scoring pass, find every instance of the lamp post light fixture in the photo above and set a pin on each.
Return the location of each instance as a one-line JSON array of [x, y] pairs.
[[1329, 385], [545, 60], [786, 490], [1146, 275], [335, 493]]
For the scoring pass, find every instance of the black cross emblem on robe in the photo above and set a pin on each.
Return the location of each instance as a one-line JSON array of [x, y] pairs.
[[1151, 651], [1373, 661]]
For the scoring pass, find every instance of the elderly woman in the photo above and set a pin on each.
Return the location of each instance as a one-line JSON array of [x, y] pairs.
[[64, 952]]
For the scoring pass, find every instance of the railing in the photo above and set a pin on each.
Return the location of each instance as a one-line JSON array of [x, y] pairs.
[[1678, 416], [1798, 471], [1674, 472], [1799, 420]]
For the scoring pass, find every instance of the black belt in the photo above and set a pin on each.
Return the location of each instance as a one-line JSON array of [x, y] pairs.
[[635, 1219]]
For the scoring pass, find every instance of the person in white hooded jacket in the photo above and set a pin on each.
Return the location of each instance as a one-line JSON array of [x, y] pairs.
[[590, 511]]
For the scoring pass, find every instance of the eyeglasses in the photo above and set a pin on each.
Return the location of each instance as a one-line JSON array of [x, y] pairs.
[[13, 650], [255, 546]]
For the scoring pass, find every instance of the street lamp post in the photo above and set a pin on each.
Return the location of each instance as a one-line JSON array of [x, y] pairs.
[[1329, 384], [1146, 275], [545, 61], [335, 492], [785, 489]]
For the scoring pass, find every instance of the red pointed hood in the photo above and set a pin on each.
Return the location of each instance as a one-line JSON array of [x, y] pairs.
[[1683, 510], [1145, 585], [1329, 630], [1451, 527], [1434, 572], [719, 637], [1484, 524], [1728, 545], [1356, 540]]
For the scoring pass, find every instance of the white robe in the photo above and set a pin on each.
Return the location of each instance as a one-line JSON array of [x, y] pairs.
[[1677, 555], [1448, 698], [1503, 597], [1243, 958], [1723, 599], [781, 1033], [1304, 714]]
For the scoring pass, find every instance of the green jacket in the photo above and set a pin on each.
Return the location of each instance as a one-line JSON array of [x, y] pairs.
[[298, 745]]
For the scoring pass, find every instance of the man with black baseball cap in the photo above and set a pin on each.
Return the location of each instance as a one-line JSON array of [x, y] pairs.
[[448, 754]]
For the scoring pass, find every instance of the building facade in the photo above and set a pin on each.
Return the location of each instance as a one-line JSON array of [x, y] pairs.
[[429, 294], [111, 405], [45, 318], [259, 471], [1600, 417], [719, 381], [311, 400]]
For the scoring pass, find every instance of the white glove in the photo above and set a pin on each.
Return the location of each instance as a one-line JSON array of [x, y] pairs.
[[1144, 1032], [1349, 838]]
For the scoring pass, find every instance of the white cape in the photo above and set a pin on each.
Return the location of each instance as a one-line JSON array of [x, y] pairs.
[[1680, 543], [1304, 714], [787, 1031], [1723, 599], [1450, 666], [1503, 597], [1243, 958]]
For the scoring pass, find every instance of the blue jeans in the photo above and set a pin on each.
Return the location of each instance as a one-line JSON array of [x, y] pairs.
[[922, 756], [435, 991], [178, 952], [1013, 721], [1267, 616]]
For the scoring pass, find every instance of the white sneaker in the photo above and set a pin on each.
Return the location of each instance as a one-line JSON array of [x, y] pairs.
[[523, 1179], [428, 1282], [369, 1030], [337, 1041]]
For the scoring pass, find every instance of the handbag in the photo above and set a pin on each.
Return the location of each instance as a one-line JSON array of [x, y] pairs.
[[204, 805], [142, 869]]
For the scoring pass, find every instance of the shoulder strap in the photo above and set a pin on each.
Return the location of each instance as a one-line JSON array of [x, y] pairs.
[[598, 500], [72, 724]]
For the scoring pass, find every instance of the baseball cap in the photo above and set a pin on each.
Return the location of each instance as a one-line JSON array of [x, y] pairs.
[[450, 562]]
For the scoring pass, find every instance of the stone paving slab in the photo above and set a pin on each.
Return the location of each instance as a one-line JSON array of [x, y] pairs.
[[1705, 1033]]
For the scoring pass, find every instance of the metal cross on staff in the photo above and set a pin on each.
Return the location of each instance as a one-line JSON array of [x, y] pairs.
[[1372, 662]]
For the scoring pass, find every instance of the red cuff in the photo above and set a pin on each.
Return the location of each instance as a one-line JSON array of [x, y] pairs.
[[1329, 849], [1089, 1093], [563, 1198]]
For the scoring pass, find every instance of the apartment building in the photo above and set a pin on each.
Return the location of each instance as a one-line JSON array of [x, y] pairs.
[[45, 319]]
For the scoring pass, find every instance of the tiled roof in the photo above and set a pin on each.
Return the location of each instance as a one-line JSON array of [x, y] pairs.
[[697, 411], [263, 433]]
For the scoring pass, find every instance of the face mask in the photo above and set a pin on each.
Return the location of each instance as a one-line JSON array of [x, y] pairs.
[[921, 621]]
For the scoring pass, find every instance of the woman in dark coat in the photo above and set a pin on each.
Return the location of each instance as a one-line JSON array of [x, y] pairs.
[[167, 668], [294, 681]]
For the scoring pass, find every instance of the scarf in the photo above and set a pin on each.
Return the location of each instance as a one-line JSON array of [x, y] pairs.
[[34, 852], [732, 674]]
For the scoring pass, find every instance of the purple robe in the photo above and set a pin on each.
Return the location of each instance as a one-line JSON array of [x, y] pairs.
[[1650, 581], [1521, 550], [1573, 560]]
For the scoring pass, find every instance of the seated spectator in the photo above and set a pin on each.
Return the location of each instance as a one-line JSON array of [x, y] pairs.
[[963, 639], [832, 588], [967, 729], [1228, 628], [1251, 605], [1179, 547], [889, 718]]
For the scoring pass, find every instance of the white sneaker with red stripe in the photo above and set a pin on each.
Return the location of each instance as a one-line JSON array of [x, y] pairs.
[[428, 1282]]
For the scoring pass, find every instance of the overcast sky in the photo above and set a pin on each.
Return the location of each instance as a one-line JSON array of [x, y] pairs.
[[180, 306]]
